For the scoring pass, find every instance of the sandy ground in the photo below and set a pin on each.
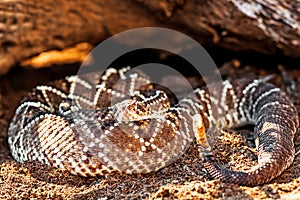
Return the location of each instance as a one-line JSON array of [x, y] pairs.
[[184, 179]]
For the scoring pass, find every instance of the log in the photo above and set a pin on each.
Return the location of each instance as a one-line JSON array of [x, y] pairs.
[[28, 28]]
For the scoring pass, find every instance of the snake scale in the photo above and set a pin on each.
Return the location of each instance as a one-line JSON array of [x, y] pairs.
[[116, 124]]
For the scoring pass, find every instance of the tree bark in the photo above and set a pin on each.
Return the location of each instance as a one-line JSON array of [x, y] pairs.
[[28, 28]]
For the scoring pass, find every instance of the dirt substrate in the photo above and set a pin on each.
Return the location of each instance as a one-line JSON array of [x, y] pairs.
[[184, 179]]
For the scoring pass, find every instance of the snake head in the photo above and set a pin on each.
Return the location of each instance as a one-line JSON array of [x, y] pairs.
[[142, 106], [131, 110]]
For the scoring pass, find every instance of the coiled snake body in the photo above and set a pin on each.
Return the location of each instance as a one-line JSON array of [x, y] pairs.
[[123, 124]]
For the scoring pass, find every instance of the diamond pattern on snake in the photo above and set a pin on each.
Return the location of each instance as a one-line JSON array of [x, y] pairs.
[[96, 124]]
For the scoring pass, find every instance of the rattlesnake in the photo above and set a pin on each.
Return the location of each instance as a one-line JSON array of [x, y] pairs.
[[131, 127]]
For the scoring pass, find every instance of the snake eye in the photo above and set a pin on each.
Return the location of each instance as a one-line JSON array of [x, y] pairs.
[[64, 107]]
